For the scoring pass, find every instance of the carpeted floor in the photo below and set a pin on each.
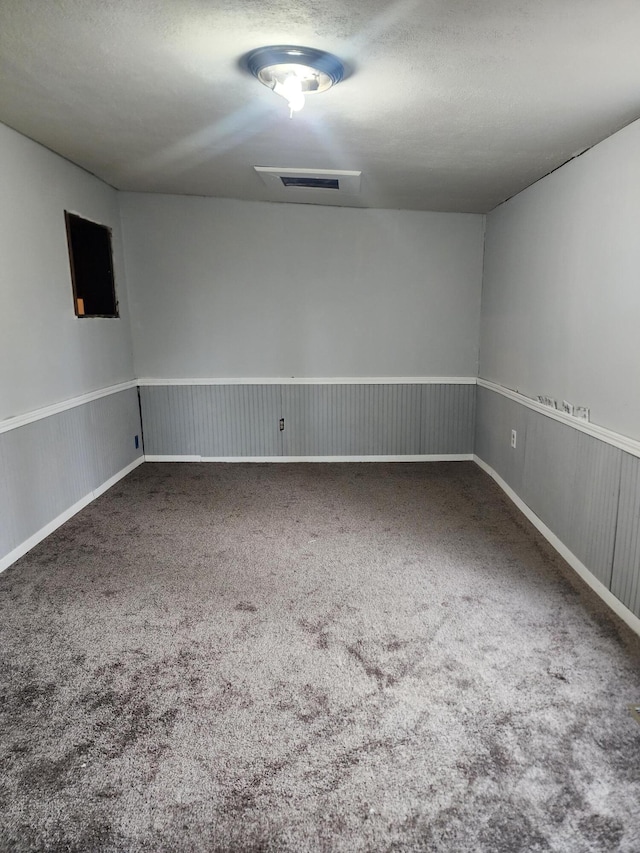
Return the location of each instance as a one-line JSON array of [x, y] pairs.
[[336, 657]]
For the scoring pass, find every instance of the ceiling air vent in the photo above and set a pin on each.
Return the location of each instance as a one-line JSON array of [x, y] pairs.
[[309, 185]]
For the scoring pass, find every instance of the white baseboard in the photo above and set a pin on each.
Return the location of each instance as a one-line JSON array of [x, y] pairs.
[[597, 586], [32, 541], [436, 457]]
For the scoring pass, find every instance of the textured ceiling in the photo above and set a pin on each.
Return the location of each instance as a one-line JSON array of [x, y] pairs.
[[451, 104]]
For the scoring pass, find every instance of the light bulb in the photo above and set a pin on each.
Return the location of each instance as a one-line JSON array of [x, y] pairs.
[[291, 91]]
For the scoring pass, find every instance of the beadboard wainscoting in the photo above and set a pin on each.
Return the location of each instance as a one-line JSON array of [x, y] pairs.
[[578, 483], [308, 420], [54, 461]]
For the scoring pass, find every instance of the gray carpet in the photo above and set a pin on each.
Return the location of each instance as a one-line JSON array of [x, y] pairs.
[[337, 657]]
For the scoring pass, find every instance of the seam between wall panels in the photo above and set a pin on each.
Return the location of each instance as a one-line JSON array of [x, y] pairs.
[[141, 420], [474, 409], [484, 264], [615, 526], [281, 432]]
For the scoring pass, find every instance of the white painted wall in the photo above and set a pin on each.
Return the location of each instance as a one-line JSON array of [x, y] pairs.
[[224, 288], [47, 354], [561, 292]]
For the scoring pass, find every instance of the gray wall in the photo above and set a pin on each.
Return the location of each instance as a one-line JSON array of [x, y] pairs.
[[50, 464], [320, 420], [223, 288], [561, 300], [47, 354], [585, 490], [560, 317]]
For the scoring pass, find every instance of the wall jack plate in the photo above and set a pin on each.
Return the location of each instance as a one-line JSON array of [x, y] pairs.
[[581, 412], [547, 401], [514, 437]]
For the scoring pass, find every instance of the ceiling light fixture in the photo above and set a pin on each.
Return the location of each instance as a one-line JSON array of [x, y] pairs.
[[294, 72]]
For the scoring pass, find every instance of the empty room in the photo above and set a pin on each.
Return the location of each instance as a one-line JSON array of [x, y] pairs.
[[319, 426]]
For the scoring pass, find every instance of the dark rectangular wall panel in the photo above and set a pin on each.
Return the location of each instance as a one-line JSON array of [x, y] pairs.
[[625, 582]]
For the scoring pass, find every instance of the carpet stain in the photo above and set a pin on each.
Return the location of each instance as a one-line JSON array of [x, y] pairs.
[[566, 801], [371, 668], [322, 640], [603, 833], [47, 774], [32, 694], [245, 607], [512, 832]]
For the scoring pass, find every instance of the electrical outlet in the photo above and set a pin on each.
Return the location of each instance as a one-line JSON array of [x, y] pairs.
[[581, 412], [567, 407], [514, 436]]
